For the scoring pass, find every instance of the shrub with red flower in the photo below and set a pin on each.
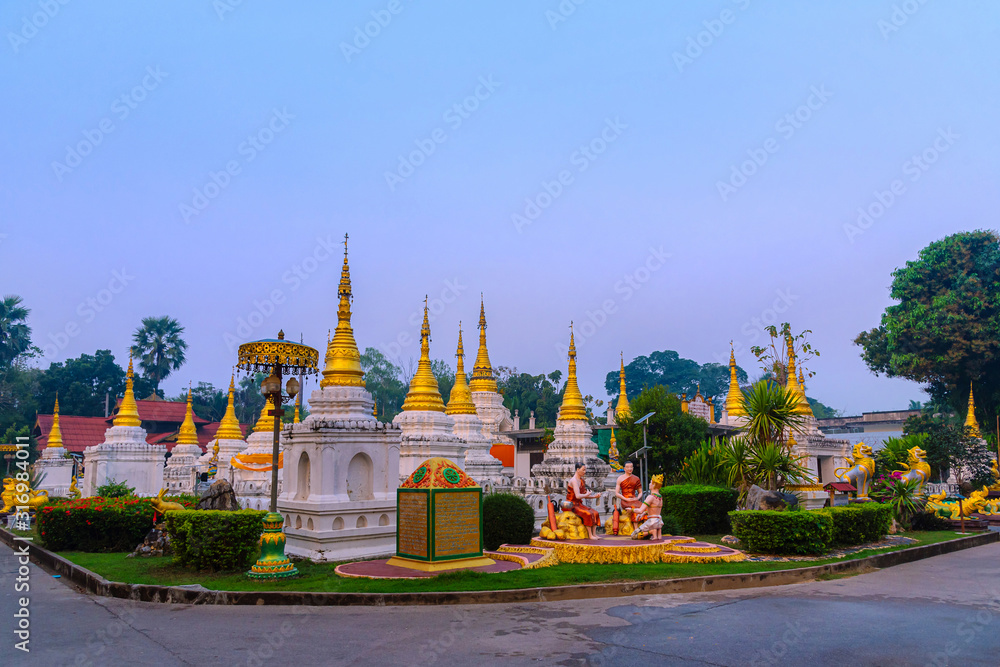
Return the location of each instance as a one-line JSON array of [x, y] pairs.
[[97, 524]]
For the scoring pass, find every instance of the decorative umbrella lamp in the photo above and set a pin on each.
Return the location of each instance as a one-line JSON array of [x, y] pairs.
[[277, 357]]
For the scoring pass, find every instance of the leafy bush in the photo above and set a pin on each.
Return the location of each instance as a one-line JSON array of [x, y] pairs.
[[704, 466], [671, 526], [700, 510], [928, 521], [95, 524], [115, 489], [786, 533], [215, 540], [861, 523], [507, 519]]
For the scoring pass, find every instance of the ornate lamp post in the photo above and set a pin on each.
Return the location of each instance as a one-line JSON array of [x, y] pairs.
[[278, 357]]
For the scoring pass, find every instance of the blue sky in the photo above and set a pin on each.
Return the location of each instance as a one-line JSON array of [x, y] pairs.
[[673, 174]]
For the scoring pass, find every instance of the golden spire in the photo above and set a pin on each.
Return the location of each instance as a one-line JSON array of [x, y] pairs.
[[128, 411], [343, 361], [188, 434], [970, 419], [374, 407], [482, 371], [623, 410], [55, 433], [792, 384], [460, 400], [734, 399], [265, 424], [229, 427], [298, 402], [572, 406], [424, 394]]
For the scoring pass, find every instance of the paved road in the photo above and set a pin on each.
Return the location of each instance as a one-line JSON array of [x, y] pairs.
[[914, 614]]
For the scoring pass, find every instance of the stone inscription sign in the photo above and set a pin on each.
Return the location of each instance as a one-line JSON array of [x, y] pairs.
[[456, 523], [413, 524]]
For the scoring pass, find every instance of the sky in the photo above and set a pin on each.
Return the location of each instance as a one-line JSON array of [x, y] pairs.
[[665, 175]]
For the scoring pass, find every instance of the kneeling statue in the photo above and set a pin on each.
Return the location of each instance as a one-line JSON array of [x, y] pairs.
[[649, 512]]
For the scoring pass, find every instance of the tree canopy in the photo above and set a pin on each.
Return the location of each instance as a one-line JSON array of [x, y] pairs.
[[944, 331], [525, 392], [84, 382], [672, 435]]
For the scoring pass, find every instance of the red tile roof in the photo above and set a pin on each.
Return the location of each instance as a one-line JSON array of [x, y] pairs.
[[162, 411], [78, 433]]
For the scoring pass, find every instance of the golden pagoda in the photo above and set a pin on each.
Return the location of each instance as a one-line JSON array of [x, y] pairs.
[[971, 425], [128, 411], [265, 423], [343, 361], [424, 393], [622, 411], [188, 434], [572, 406], [460, 399], [482, 371], [794, 386], [229, 427], [734, 399], [298, 402], [55, 433]]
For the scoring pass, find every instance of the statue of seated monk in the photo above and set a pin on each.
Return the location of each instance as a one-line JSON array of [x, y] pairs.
[[649, 512], [628, 491], [576, 492]]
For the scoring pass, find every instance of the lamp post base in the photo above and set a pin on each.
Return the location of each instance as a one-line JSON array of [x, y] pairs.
[[272, 564]]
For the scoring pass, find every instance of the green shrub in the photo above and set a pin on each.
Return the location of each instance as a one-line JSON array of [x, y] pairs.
[[215, 540], [95, 524], [115, 489], [785, 533], [928, 521], [671, 526], [701, 510], [507, 519], [860, 524]]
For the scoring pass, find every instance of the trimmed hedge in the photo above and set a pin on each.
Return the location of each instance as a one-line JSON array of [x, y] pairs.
[[507, 519], [776, 532], [860, 523], [95, 524], [214, 539], [700, 510]]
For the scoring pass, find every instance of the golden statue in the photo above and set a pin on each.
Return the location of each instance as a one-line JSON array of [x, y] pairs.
[[996, 477], [163, 506], [861, 470], [74, 490], [11, 499], [955, 509], [916, 468], [568, 527]]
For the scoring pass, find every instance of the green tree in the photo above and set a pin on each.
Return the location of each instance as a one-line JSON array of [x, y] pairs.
[[159, 348], [445, 377], [950, 448], [85, 383], [247, 399], [773, 356], [207, 401], [383, 381], [821, 411], [673, 435], [15, 334], [944, 330], [526, 393]]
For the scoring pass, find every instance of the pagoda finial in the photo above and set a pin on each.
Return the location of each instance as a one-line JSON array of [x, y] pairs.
[[128, 411], [792, 383], [573, 407], [188, 434], [734, 398], [343, 360], [482, 371], [424, 393], [460, 399], [971, 424], [229, 427], [55, 433], [298, 402], [622, 411]]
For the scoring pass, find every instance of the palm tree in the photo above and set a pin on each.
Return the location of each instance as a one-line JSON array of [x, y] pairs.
[[770, 409], [159, 347], [15, 335]]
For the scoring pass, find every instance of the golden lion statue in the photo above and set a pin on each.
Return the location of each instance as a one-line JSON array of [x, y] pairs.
[[568, 527], [861, 470], [916, 468], [956, 508], [10, 496]]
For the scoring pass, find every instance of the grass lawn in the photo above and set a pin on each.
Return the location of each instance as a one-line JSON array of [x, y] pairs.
[[321, 578]]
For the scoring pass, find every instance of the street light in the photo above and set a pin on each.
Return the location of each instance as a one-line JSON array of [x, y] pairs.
[[645, 449], [277, 356]]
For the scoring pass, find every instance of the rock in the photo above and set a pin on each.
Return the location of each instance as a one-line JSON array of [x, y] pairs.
[[219, 496], [156, 543], [759, 499], [731, 539]]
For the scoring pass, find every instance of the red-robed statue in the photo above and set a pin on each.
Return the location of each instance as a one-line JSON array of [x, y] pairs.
[[575, 494]]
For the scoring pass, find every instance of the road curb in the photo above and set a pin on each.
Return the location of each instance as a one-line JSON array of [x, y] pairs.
[[97, 585]]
